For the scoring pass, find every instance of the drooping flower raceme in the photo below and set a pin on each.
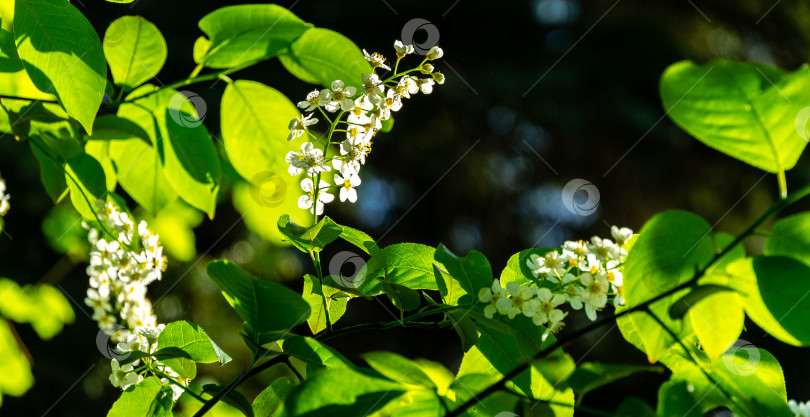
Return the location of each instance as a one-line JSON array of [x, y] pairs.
[[4, 198], [124, 260], [365, 108], [582, 274]]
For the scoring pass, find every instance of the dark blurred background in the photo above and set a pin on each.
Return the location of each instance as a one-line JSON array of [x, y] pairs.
[[538, 93]]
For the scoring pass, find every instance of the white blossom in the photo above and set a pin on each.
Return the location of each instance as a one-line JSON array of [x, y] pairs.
[[299, 125]]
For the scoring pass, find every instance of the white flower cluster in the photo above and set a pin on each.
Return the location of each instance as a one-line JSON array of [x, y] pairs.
[[4, 198], [799, 409], [582, 274], [365, 111], [123, 261], [120, 269]]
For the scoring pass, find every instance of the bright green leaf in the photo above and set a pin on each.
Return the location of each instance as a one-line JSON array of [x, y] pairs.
[[791, 237], [272, 398], [312, 351], [147, 399], [336, 300], [193, 340], [680, 307], [254, 129], [773, 290], [517, 269], [398, 368], [62, 54], [718, 321], [466, 275], [265, 306], [324, 56], [310, 239], [186, 150], [406, 264], [85, 179], [341, 391], [745, 110], [140, 173], [670, 248], [247, 33], [135, 50]]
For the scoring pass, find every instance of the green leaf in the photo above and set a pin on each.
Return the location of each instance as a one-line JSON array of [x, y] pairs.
[[265, 306], [190, 160], [676, 400], [341, 391], [466, 275], [502, 347], [112, 127], [406, 264], [62, 54], [679, 308], [269, 198], [100, 151], [670, 248], [272, 398], [254, 128], [791, 237], [52, 173], [401, 296], [312, 351], [517, 269], [744, 110], [398, 368], [248, 33], [193, 340], [233, 398], [186, 150], [135, 50], [85, 179], [590, 376], [360, 239], [755, 379], [773, 289], [465, 328], [634, 407], [15, 369], [14, 81], [43, 306], [468, 386], [718, 321], [323, 56], [311, 239], [147, 399], [336, 301], [141, 174]]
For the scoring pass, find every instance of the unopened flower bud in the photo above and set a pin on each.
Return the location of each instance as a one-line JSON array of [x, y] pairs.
[[438, 77], [435, 53]]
